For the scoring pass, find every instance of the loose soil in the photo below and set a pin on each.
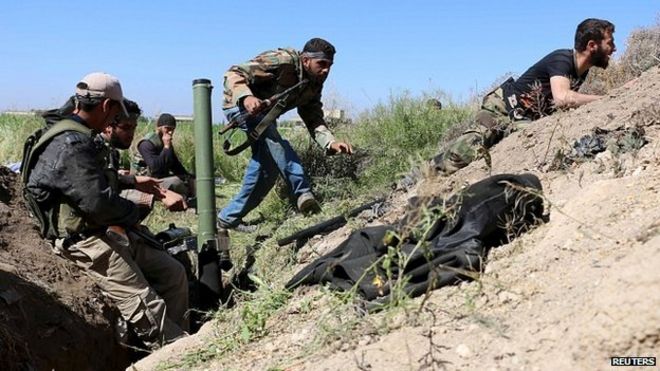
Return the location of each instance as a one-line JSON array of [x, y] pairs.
[[570, 294], [52, 316]]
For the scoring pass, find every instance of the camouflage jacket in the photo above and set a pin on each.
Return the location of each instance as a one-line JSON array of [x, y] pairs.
[[272, 72]]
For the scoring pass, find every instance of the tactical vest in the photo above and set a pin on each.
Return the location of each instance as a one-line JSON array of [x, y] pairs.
[[56, 218], [138, 166]]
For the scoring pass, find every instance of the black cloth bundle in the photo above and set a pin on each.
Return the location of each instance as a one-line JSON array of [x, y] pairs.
[[453, 245]]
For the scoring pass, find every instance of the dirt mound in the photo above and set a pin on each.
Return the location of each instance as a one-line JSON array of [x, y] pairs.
[[52, 316], [570, 294]]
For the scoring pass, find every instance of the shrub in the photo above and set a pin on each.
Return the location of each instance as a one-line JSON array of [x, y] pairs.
[[400, 132], [385, 140]]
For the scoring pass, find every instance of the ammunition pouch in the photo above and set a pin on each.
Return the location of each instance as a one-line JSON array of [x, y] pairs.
[[513, 105], [519, 108]]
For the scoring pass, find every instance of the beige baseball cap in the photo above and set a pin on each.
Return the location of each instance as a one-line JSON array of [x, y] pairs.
[[101, 85]]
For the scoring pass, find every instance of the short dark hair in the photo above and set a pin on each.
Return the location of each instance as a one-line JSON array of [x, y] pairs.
[[319, 45], [132, 108], [88, 104], [591, 29]]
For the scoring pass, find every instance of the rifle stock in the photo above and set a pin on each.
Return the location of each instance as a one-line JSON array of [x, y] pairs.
[[148, 239]]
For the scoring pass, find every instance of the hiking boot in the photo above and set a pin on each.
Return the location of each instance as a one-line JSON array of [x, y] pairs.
[[307, 204], [241, 227]]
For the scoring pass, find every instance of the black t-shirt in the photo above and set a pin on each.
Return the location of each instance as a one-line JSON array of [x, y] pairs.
[[535, 82]]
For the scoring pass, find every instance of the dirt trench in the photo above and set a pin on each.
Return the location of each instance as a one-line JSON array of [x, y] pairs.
[[52, 316]]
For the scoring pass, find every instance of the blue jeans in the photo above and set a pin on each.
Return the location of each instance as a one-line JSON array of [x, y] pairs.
[[271, 156]]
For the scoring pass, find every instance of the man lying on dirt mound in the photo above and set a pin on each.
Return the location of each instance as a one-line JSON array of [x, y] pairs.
[[76, 198], [551, 83]]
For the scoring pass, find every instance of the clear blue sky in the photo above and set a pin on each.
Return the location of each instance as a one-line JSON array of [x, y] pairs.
[[157, 48]]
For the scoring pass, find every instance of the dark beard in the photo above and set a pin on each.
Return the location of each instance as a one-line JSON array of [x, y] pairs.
[[600, 58], [116, 143], [315, 79]]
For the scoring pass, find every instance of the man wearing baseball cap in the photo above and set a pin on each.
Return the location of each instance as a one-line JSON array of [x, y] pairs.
[[157, 158], [100, 85], [69, 189]]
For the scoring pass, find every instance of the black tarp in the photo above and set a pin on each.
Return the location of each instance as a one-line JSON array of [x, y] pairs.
[[457, 235]]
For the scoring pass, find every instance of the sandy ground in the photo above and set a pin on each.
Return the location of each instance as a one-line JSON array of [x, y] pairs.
[[570, 294]]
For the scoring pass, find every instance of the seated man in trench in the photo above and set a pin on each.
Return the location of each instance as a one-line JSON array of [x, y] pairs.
[[156, 157], [69, 187], [119, 136]]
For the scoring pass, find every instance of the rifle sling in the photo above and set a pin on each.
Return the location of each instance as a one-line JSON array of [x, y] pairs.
[[271, 116], [254, 134]]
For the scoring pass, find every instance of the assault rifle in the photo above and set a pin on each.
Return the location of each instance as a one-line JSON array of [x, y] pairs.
[[277, 102], [328, 225]]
